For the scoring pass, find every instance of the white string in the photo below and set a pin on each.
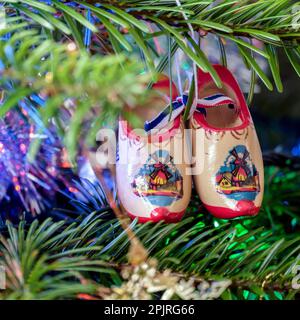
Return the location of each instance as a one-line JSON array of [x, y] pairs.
[[178, 74], [194, 38]]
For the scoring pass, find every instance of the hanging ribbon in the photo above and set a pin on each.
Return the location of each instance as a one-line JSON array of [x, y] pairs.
[[178, 106], [214, 100], [168, 114]]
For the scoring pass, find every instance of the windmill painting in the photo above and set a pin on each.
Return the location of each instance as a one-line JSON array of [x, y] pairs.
[[238, 177], [159, 180]]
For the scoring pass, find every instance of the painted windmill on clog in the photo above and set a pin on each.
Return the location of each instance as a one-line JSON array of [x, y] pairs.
[[240, 176], [160, 176], [241, 172]]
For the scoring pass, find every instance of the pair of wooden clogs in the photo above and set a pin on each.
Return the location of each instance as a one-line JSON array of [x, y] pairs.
[[218, 150]]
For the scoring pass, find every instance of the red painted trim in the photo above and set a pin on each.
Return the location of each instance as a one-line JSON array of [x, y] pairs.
[[226, 77], [162, 85], [243, 208], [160, 214]]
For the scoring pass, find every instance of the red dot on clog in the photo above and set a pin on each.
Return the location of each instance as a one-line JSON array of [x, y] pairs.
[[160, 213], [247, 207]]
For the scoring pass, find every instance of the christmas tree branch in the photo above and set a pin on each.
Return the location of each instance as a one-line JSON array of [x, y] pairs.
[[254, 262], [245, 12], [68, 80], [275, 23], [251, 261]]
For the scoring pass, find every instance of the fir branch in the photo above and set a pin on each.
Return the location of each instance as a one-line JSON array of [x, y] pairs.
[[65, 253], [65, 76], [275, 23]]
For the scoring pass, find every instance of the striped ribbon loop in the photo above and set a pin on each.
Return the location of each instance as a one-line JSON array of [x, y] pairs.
[[168, 114], [178, 106], [214, 100]]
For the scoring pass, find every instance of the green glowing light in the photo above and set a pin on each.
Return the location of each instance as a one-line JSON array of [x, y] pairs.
[[294, 222], [246, 294], [278, 295], [200, 224], [185, 66], [241, 230]]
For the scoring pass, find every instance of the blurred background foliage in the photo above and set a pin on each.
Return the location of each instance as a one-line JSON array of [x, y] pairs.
[[279, 129]]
